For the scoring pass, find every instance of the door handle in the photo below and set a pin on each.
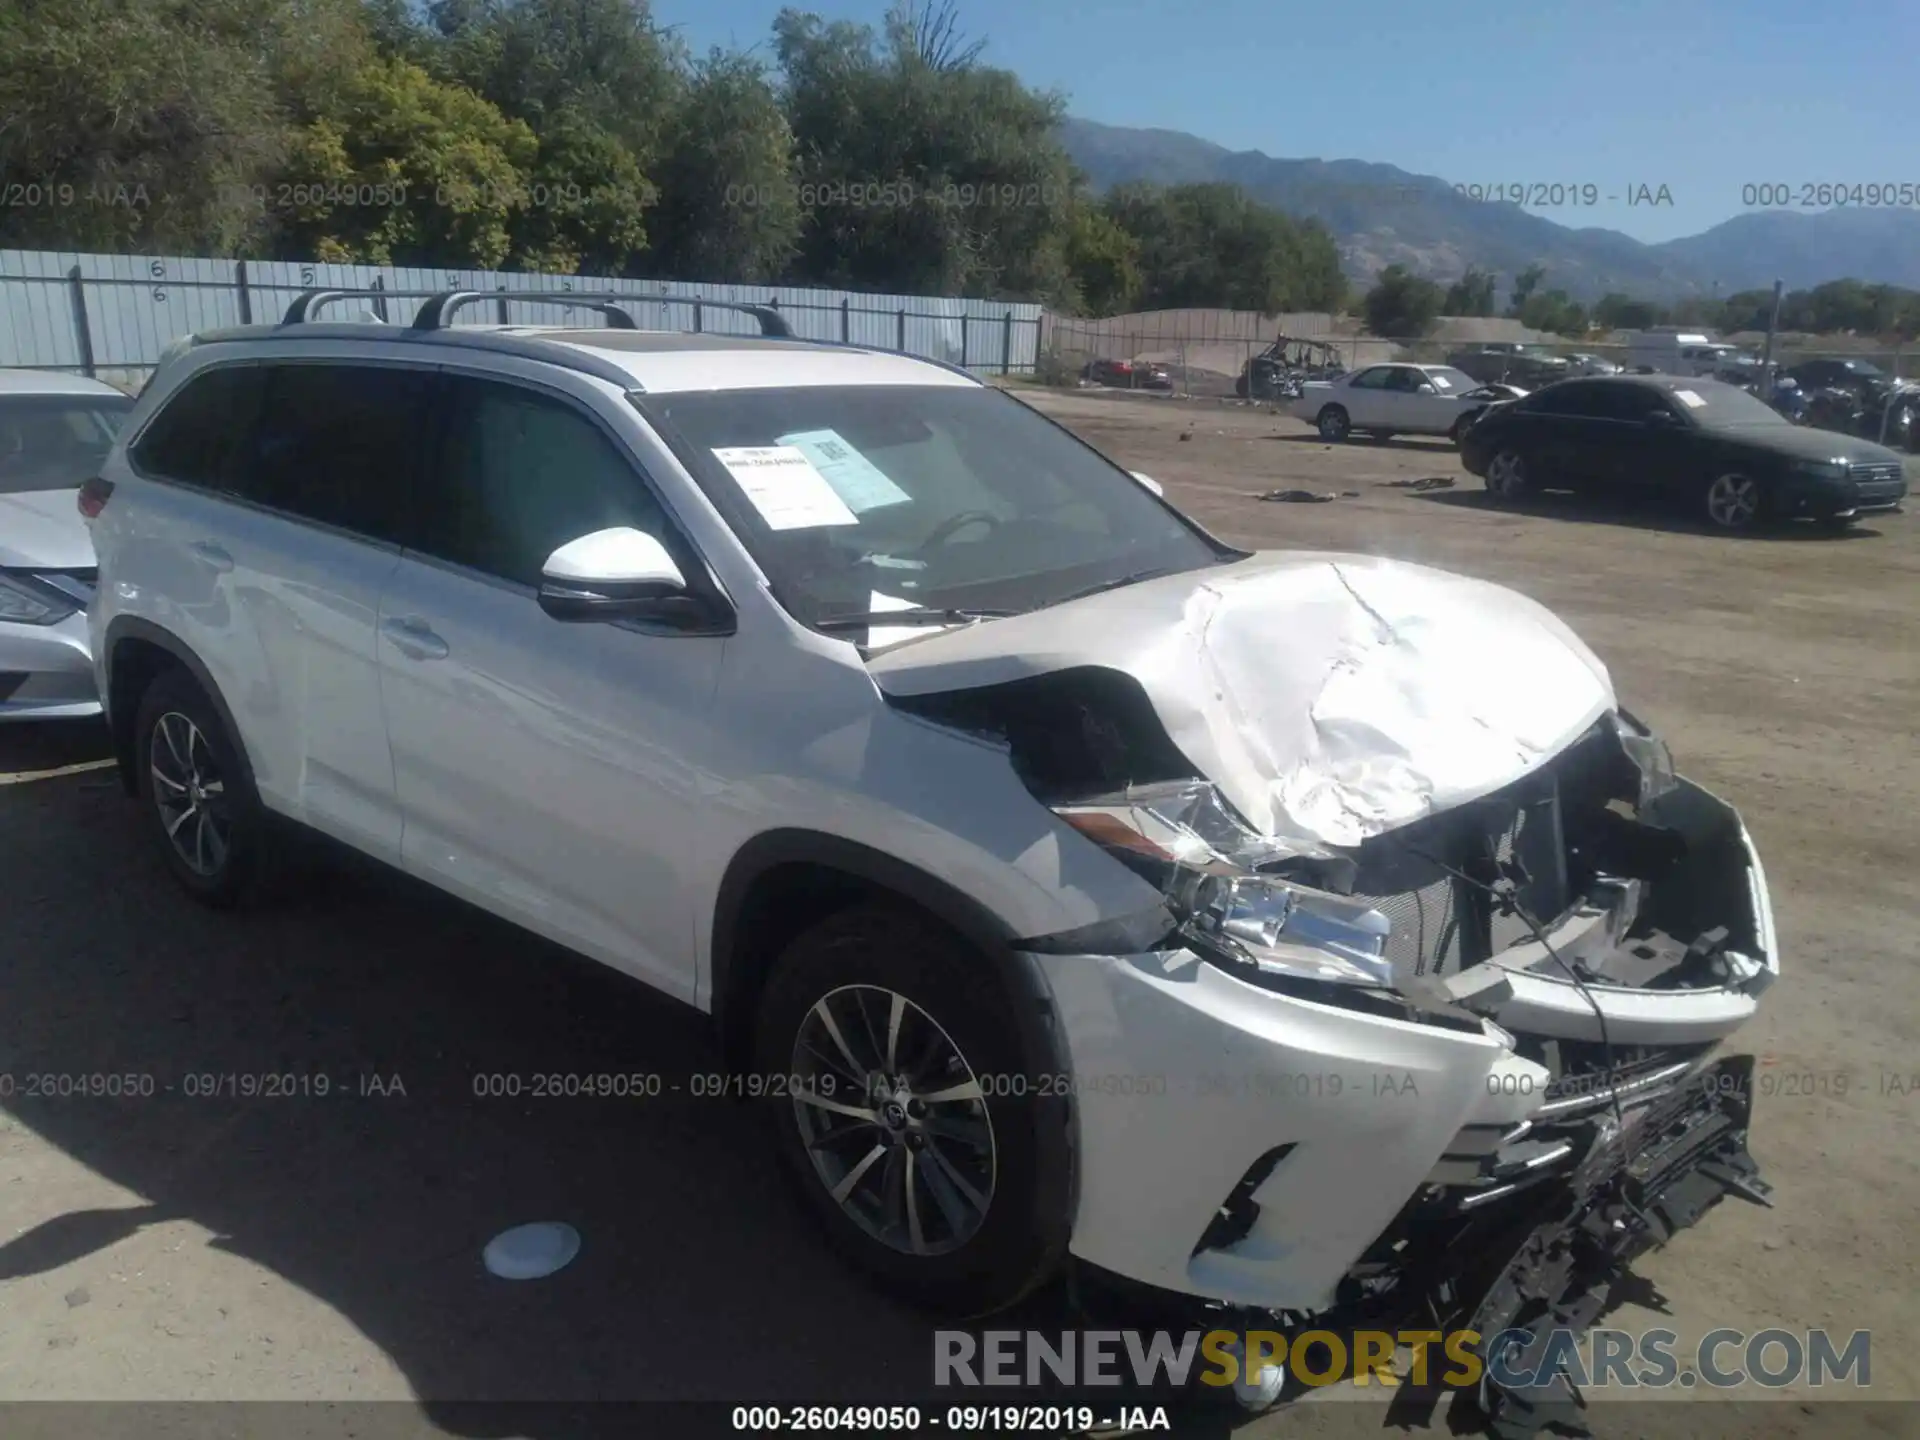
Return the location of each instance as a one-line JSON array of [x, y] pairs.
[[414, 638], [212, 555]]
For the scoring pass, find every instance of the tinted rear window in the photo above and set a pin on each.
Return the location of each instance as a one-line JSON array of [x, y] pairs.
[[199, 433], [340, 444]]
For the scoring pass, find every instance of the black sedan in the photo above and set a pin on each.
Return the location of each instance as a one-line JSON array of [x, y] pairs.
[[1718, 449]]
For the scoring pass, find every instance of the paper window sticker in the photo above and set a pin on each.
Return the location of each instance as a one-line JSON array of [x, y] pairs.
[[782, 484], [854, 478]]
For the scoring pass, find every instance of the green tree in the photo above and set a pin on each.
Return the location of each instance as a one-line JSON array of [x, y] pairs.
[[1401, 305], [1105, 261], [1554, 311], [1623, 312], [446, 173], [920, 169], [1524, 284], [728, 206], [1211, 245], [1471, 294], [136, 124]]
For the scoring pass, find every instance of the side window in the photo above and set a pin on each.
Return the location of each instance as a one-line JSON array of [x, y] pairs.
[[1626, 402], [200, 432], [1374, 379], [1559, 400], [519, 475], [339, 443]]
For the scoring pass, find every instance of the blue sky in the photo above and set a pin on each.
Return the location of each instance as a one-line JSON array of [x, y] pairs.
[[1702, 96]]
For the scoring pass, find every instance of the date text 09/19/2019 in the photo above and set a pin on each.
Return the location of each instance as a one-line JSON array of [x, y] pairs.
[[955, 1419]]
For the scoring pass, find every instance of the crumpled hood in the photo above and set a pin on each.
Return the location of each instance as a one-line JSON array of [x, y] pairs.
[[43, 529], [1329, 697]]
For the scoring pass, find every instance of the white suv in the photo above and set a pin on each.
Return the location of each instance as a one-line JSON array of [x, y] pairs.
[[1287, 931]]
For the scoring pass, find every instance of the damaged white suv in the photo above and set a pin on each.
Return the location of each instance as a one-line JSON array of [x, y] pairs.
[[1295, 932]]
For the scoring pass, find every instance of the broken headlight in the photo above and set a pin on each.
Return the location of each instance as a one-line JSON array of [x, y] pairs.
[[1238, 894], [1649, 755]]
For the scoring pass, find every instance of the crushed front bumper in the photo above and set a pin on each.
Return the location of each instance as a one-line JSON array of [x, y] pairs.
[[1550, 1259]]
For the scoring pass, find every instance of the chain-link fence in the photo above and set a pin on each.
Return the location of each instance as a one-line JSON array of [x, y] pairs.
[[111, 316], [1090, 353]]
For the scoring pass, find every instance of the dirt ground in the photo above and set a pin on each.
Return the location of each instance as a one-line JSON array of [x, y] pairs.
[[168, 1247]]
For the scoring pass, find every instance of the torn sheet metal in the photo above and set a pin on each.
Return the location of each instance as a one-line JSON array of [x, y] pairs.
[[1330, 697]]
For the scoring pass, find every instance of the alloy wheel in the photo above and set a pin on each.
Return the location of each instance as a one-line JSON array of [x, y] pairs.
[[1333, 424], [190, 793], [1733, 501], [893, 1119], [1507, 475]]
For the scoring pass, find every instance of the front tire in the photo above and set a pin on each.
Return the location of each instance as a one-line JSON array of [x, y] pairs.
[[1333, 424], [198, 794], [930, 1167], [1508, 478], [1734, 502]]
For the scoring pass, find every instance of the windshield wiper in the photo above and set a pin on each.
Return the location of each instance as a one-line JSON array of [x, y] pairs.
[[1105, 585], [919, 615]]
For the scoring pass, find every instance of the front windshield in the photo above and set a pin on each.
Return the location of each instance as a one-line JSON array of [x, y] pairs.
[[1449, 381], [859, 498], [55, 442]]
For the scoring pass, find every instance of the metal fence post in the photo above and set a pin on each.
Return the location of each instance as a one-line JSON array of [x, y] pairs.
[[697, 312], [501, 304], [1006, 344], [901, 344], [246, 295], [963, 341], [82, 331], [846, 334], [380, 301]]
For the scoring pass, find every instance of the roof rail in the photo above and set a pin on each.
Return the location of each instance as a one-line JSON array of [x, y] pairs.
[[438, 313], [441, 306]]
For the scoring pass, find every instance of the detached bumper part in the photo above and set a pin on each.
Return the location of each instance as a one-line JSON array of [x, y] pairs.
[[1673, 1162]]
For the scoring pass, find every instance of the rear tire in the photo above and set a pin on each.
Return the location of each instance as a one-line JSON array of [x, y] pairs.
[[960, 1204], [197, 793]]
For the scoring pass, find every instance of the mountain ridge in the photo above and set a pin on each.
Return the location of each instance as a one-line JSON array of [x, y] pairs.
[[1381, 214]]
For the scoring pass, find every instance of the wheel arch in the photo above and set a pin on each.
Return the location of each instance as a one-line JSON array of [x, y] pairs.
[[135, 652], [782, 881]]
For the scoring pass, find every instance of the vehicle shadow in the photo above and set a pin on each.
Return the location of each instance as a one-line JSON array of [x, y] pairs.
[[377, 1011], [1425, 444], [1632, 513]]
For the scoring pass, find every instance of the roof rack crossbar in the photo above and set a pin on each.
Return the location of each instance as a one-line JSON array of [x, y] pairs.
[[438, 312]]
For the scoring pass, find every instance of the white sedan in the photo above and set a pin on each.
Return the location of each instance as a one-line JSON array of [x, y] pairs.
[[1397, 399], [54, 433]]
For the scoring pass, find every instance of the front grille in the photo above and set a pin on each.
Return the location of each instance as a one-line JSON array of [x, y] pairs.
[[1878, 482]]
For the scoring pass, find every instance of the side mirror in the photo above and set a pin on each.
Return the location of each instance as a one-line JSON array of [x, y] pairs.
[[1426, 388], [1148, 481], [1659, 419], [616, 574]]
